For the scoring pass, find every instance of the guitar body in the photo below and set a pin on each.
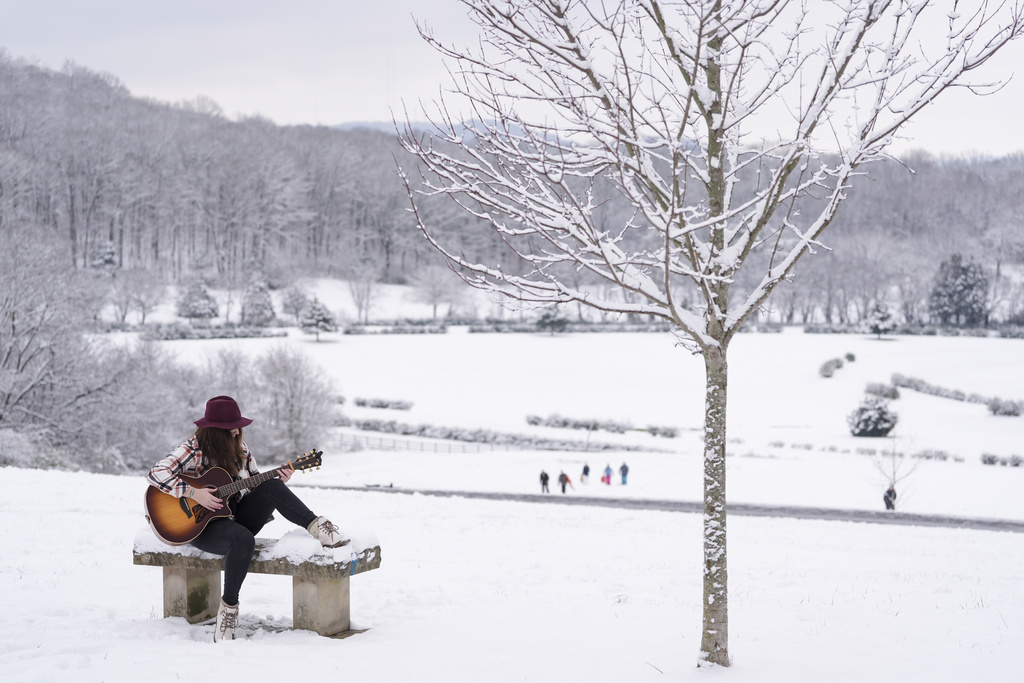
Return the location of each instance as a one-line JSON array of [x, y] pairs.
[[177, 521]]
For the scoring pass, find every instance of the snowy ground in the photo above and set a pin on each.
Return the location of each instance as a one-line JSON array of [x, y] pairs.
[[474, 590]]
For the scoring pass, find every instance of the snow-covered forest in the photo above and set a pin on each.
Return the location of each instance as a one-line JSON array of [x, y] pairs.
[[179, 192], [111, 206]]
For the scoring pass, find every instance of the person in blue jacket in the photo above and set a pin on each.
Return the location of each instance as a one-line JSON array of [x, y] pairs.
[[624, 470]]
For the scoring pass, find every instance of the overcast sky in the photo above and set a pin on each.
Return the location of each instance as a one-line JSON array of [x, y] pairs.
[[337, 61]]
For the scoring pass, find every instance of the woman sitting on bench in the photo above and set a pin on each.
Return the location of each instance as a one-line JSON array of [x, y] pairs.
[[217, 442]]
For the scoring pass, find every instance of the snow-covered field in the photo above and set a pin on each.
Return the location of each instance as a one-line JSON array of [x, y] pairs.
[[474, 590]]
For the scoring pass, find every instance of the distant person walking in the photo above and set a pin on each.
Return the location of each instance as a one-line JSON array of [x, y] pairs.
[[563, 479], [890, 497], [607, 478], [544, 482], [624, 470], [586, 473]]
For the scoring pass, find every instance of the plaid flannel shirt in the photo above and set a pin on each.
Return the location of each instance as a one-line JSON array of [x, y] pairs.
[[188, 459]]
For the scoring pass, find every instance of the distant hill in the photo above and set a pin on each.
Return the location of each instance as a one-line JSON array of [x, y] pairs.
[[382, 126], [379, 126]]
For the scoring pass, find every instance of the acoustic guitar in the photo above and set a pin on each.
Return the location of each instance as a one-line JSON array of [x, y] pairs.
[[177, 521]]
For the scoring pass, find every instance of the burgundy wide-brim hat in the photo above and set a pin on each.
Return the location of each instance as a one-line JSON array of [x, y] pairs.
[[222, 412]]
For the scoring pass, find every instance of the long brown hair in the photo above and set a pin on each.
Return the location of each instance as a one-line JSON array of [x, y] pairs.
[[220, 448]]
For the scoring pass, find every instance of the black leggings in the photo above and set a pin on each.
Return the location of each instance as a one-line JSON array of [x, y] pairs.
[[236, 538]]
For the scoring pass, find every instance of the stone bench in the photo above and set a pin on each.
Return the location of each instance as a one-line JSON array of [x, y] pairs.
[[320, 585]]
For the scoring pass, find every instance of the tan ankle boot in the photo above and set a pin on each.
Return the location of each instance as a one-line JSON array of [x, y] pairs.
[[227, 619], [327, 533]]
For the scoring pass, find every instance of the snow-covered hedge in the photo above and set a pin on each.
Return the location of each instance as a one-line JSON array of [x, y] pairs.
[[910, 330], [1012, 332], [887, 391], [172, 331], [559, 422], [396, 329], [483, 436], [382, 403], [492, 326], [996, 405], [1012, 461]]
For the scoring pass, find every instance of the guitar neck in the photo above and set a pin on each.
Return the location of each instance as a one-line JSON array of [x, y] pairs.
[[248, 482]]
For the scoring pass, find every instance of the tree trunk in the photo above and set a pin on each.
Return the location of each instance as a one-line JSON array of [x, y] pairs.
[[714, 646]]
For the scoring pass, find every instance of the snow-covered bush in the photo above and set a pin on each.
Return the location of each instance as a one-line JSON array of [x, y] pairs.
[[883, 390], [998, 406], [872, 418], [197, 302], [830, 366], [880, 320], [551, 322], [666, 432], [931, 454], [257, 306], [992, 459]]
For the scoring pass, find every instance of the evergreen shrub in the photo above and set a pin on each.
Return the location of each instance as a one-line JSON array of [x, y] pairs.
[[872, 418]]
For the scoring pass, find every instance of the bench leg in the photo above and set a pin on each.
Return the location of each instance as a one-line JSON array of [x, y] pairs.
[[320, 604], [191, 593]]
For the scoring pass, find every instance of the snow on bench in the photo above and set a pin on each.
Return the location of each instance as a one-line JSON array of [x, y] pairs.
[[320, 577]]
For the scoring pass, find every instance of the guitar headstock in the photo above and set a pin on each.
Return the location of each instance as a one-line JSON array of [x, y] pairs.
[[309, 461]]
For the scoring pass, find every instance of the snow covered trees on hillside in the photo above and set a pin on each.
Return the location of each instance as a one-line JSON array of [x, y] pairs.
[[732, 129], [56, 387]]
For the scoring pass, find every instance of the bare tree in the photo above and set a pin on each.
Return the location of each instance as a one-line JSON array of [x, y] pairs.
[[295, 398], [435, 285], [49, 375], [148, 292], [733, 129], [364, 286]]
